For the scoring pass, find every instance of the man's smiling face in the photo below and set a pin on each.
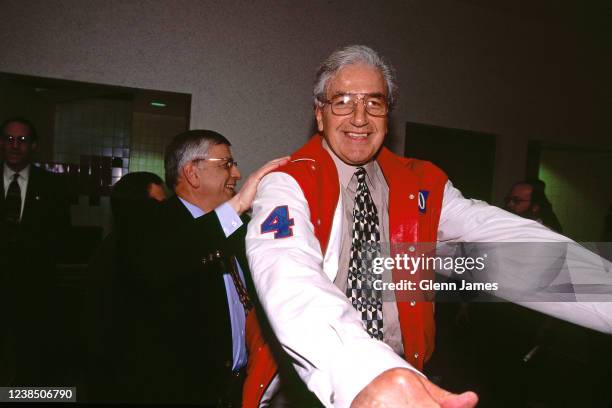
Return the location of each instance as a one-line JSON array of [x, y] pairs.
[[218, 183], [354, 138]]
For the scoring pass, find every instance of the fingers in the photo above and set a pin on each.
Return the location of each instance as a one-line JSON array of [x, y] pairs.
[[271, 165], [256, 177], [244, 198]]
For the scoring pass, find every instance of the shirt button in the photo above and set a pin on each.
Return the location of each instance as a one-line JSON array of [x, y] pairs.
[[412, 303], [234, 223], [411, 196], [261, 386], [416, 356]]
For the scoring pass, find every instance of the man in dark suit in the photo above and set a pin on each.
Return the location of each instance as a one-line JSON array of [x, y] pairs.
[[33, 216], [185, 303]]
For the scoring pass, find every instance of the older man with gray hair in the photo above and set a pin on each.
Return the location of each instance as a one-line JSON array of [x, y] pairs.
[[318, 219], [183, 317], [318, 223]]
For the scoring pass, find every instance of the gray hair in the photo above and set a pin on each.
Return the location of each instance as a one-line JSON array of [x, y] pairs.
[[188, 146], [349, 55]]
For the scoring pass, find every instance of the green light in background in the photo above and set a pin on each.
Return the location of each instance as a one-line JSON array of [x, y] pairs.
[[157, 104]]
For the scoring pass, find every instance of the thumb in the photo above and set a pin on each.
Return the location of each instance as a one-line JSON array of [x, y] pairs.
[[466, 400], [447, 399]]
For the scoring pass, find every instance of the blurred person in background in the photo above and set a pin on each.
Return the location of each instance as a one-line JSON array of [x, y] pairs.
[[528, 200], [132, 196]]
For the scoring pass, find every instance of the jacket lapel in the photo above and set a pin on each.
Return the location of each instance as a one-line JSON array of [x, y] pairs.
[[32, 193]]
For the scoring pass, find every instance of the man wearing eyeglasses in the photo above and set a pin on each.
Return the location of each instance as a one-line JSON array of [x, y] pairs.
[[34, 213], [317, 224], [528, 199], [184, 319]]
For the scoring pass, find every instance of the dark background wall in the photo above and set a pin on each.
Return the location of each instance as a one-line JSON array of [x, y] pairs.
[[519, 70]]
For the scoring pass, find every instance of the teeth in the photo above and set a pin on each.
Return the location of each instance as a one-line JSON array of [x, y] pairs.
[[362, 135]]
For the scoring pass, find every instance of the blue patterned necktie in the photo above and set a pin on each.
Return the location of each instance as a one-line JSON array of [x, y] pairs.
[[365, 246]]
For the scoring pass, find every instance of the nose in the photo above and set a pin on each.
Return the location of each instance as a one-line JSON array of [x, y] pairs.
[[13, 143], [235, 173], [360, 116]]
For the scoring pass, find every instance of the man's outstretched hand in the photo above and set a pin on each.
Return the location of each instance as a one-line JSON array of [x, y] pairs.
[[403, 388], [244, 198]]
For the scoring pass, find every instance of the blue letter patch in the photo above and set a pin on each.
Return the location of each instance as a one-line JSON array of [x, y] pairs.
[[278, 222], [423, 194]]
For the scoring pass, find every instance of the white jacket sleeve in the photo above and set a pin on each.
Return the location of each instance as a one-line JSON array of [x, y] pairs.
[[312, 318], [465, 220]]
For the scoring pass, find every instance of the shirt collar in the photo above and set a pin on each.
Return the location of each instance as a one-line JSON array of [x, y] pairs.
[[23, 174], [195, 211], [347, 171]]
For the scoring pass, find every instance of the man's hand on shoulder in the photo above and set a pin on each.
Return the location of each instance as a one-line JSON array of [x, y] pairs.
[[242, 201], [403, 388]]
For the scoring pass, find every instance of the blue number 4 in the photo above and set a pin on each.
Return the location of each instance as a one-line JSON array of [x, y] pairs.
[[278, 222]]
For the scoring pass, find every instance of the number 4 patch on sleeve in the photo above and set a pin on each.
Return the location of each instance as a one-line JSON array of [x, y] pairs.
[[278, 222]]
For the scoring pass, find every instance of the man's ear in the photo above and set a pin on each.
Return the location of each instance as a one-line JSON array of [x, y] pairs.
[[34, 146], [535, 208], [191, 175], [319, 117]]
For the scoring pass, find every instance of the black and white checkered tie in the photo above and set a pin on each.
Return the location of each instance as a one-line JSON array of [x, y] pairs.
[[365, 246]]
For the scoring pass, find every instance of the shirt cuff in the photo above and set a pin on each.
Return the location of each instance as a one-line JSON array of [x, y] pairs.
[[229, 218]]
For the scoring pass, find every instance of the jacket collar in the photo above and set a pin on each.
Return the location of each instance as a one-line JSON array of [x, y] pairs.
[[313, 150]]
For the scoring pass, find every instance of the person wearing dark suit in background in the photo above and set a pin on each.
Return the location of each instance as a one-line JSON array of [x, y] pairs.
[[132, 194], [184, 302], [34, 215]]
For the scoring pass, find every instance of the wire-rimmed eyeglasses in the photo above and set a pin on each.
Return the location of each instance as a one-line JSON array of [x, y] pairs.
[[345, 104], [229, 161], [514, 200], [10, 139]]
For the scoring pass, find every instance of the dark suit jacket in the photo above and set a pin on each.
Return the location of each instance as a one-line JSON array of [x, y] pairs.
[[46, 212], [27, 255], [174, 332]]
